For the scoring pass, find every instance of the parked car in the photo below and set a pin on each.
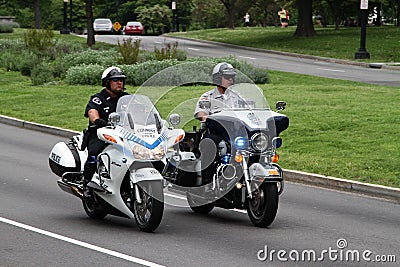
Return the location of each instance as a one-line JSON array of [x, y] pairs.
[[102, 26], [133, 27]]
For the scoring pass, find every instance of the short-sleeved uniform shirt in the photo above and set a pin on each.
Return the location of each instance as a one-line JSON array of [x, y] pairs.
[[230, 98], [104, 103]]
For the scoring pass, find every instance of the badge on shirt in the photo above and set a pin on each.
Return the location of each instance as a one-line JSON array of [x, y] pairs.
[[96, 100]]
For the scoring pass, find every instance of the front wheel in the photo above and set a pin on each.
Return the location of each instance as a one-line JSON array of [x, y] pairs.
[[149, 210], [199, 206], [263, 205]]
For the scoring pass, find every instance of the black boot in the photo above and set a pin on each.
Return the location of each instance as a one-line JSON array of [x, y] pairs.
[[88, 172]]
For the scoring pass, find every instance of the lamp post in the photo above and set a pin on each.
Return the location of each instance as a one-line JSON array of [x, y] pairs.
[[362, 51], [173, 16], [64, 29]]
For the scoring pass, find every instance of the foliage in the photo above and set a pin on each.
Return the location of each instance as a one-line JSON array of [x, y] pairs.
[[129, 50], [90, 57], [39, 39], [157, 18], [7, 26], [85, 74], [169, 51]]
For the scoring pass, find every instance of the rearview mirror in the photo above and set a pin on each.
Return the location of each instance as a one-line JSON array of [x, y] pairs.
[[280, 105]]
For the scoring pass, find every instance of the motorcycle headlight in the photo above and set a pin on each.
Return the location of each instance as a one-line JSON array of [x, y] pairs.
[[142, 153], [259, 142], [240, 142]]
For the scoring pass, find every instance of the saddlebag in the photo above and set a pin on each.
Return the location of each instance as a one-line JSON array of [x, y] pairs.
[[64, 158]]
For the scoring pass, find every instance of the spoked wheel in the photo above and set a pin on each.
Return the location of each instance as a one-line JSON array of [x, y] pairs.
[[93, 210], [263, 206], [197, 205], [149, 211]]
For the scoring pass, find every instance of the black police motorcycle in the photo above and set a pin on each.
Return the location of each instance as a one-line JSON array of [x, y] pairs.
[[246, 173]]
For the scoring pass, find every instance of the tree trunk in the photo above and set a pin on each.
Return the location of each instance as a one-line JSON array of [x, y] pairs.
[[230, 10], [305, 26], [89, 19], [36, 10]]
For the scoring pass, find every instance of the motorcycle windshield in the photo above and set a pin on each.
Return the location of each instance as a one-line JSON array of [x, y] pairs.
[[242, 96], [142, 127], [136, 110]]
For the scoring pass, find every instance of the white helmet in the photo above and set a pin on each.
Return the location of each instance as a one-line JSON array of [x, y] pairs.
[[222, 69], [111, 72]]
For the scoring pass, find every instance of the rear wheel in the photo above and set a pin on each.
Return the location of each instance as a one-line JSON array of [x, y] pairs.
[[93, 210], [263, 205], [149, 212]]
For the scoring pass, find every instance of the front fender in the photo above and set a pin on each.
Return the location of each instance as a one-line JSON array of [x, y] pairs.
[[265, 172], [145, 174]]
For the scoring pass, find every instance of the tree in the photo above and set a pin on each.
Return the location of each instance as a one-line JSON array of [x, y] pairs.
[[305, 26], [89, 18], [230, 11]]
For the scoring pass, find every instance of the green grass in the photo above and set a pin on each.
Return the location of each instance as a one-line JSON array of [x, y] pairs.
[[338, 128], [381, 42]]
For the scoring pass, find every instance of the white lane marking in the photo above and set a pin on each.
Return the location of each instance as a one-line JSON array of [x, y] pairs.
[[80, 243], [158, 42], [195, 49], [253, 58], [330, 70]]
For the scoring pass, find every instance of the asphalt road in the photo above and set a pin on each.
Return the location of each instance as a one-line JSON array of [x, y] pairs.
[[40, 225], [269, 60]]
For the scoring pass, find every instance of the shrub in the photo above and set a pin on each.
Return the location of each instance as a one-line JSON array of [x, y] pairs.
[[90, 57], [39, 39], [129, 51], [6, 28], [139, 73], [85, 74], [170, 51], [42, 73]]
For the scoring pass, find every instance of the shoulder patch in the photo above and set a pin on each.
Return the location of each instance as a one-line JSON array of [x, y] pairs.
[[96, 100]]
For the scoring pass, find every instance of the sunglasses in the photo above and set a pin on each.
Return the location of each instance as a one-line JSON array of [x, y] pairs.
[[228, 77], [117, 79]]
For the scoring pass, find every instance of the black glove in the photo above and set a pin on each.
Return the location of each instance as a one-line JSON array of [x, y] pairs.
[[100, 123]]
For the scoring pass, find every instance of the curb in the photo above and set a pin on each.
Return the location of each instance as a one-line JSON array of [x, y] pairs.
[[266, 51], [372, 190], [376, 191]]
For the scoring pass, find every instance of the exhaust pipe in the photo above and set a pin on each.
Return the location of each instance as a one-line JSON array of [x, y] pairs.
[[71, 189]]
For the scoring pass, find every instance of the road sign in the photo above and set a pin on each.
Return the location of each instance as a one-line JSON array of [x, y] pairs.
[[117, 26]]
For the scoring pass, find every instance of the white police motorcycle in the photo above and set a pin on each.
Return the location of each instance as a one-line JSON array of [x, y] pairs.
[[247, 175], [127, 182]]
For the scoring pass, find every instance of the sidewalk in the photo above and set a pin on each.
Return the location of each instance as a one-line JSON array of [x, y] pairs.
[[376, 191]]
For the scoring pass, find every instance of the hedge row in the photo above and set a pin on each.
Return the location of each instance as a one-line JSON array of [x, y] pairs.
[[137, 74]]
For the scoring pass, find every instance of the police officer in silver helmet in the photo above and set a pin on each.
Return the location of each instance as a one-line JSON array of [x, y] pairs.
[[223, 77]]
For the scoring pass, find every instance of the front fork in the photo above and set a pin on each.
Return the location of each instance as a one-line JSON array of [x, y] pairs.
[[246, 177]]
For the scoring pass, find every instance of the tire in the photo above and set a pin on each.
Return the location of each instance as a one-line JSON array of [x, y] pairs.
[[198, 208], [262, 208], [148, 214], [93, 210]]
